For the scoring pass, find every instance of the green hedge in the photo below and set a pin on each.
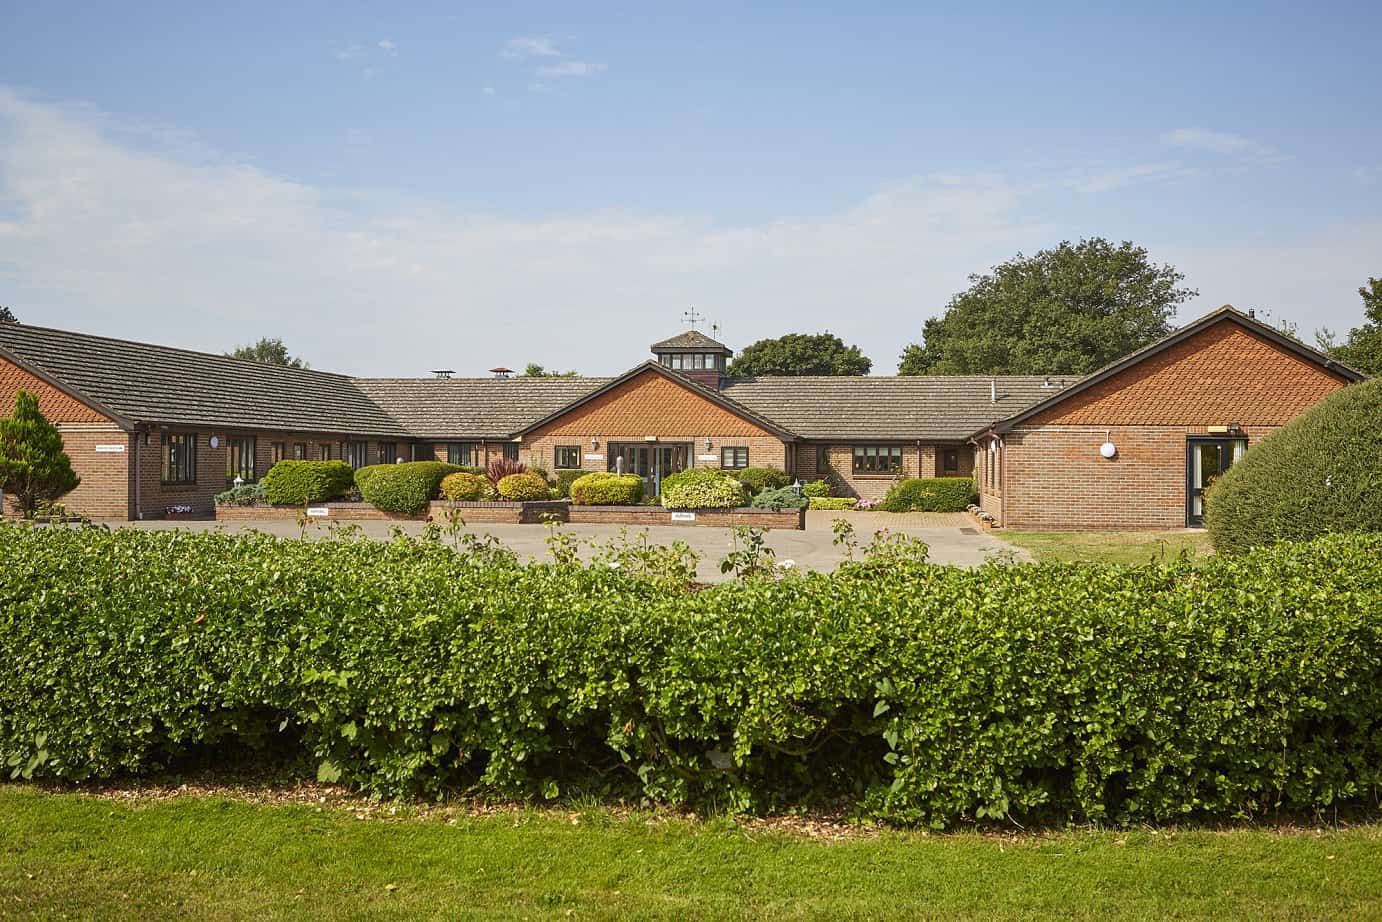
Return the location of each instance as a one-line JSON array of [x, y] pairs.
[[785, 498], [702, 489], [403, 489], [930, 494], [758, 479], [465, 487], [832, 502], [297, 483], [519, 488], [607, 490], [1318, 474], [564, 480], [816, 489], [1014, 693]]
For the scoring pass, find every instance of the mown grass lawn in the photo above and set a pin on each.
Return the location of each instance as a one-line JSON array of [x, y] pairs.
[[78, 856], [1130, 547]]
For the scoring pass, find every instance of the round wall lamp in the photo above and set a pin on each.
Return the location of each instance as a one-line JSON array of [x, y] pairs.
[[1108, 449], [215, 442]]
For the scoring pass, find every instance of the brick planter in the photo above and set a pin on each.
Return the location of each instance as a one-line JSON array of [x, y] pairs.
[[339, 512], [706, 518], [499, 513]]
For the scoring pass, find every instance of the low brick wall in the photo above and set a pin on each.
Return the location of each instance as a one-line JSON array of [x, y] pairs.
[[706, 518], [529, 513], [338, 512]]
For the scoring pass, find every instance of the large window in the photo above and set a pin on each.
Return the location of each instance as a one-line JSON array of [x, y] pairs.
[[324, 451], [462, 453], [568, 457], [179, 457], [950, 460], [388, 452], [877, 459], [734, 458], [278, 452], [299, 451], [357, 454], [693, 361], [240, 459], [822, 460], [510, 451]]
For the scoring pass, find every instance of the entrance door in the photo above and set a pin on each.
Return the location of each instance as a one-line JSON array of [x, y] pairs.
[[1206, 460], [652, 461]]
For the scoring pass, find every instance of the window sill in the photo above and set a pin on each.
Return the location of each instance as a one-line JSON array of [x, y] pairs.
[[892, 476]]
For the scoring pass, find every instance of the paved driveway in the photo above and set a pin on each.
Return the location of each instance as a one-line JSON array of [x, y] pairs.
[[953, 538]]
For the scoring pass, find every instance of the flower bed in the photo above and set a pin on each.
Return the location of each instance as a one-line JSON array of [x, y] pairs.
[[532, 512]]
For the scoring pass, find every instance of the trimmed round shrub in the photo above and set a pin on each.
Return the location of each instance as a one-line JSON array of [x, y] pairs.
[[785, 498], [1320, 473], [816, 488], [363, 474], [541, 472], [758, 479], [702, 490], [565, 479], [832, 502], [404, 489], [607, 490], [519, 488], [931, 494], [297, 483], [465, 487]]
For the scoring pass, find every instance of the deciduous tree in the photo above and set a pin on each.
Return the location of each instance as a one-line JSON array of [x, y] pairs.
[[798, 354], [1363, 348], [270, 352], [1068, 310]]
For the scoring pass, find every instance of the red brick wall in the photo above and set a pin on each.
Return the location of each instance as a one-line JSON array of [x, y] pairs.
[[1053, 477], [917, 461]]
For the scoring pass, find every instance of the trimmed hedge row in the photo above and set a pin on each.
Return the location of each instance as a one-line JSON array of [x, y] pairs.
[[930, 494], [702, 489], [1320, 473], [607, 490], [925, 694], [297, 483], [404, 489]]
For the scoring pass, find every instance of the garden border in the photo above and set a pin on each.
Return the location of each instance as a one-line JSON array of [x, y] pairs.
[[535, 512]]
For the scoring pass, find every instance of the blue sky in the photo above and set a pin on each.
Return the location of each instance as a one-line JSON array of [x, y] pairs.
[[392, 190]]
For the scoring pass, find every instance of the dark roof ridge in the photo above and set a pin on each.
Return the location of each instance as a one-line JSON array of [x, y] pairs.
[[182, 349]]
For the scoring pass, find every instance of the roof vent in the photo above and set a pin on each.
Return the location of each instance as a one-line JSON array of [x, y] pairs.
[[443, 373], [993, 390], [1047, 382], [501, 372]]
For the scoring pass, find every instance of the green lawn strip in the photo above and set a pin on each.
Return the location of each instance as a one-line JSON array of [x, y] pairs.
[[79, 856], [1125, 547]]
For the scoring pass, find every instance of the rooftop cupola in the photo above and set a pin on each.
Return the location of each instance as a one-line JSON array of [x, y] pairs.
[[695, 355]]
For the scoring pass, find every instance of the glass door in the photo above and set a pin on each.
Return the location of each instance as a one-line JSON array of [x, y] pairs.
[[670, 460], [1206, 460], [652, 462]]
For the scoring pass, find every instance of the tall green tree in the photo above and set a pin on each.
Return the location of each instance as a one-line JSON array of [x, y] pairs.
[[33, 466], [270, 352], [798, 354], [534, 370], [1363, 348], [1068, 310], [7, 315]]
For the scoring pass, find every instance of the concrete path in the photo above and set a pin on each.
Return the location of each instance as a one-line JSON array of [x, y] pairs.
[[953, 538]]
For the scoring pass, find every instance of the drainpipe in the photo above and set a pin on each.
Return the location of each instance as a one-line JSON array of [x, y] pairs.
[[138, 507]]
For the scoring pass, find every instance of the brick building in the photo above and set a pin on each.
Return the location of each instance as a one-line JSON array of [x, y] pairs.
[[152, 429]]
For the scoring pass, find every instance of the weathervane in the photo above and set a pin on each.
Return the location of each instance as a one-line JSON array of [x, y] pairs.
[[691, 317]]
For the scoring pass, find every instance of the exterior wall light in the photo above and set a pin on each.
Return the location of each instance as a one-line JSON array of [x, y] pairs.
[[1108, 449], [708, 445], [594, 443]]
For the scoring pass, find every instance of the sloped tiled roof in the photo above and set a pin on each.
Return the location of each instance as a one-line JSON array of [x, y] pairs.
[[142, 383], [926, 408], [492, 408], [691, 339]]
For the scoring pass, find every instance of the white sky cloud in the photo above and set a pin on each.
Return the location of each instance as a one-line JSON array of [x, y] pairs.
[[388, 46], [134, 240], [1221, 142], [530, 46], [570, 69]]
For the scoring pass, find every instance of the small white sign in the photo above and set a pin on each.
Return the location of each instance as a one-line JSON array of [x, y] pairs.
[[318, 512], [683, 516], [590, 457], [114, 449], [707, 458]]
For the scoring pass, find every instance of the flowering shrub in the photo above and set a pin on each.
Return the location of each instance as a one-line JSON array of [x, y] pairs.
[[866, 503]]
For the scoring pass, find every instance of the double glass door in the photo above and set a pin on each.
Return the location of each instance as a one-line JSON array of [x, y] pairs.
[[1206, 461], [651, 461]]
